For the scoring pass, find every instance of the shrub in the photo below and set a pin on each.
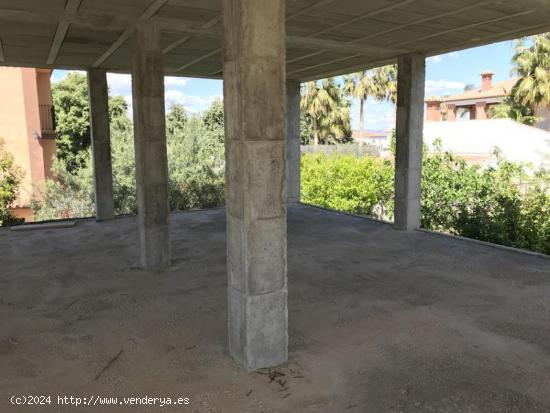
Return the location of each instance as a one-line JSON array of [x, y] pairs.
[[10, 180], [487, 204], [344, 182], [195, 165]]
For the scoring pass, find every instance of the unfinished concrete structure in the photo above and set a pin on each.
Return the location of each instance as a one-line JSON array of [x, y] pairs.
[[258, 47], [101, 144]]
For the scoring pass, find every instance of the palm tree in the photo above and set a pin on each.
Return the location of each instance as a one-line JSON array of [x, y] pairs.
[[379, 83], [328, 110], [385, 83], [509, 109], [313, 105], [532, 64]]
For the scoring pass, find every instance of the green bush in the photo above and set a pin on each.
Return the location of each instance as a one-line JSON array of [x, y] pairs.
[[359, 185], [195, 165], [10, 179], [487, 204]]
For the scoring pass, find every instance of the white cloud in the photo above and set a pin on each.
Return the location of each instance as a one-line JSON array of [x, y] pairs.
[[454, 55], [433, 86], [175, 81], [192, 103], [119, 84], [435, 59]]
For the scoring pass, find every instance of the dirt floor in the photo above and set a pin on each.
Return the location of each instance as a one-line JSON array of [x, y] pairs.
[[380, 321]]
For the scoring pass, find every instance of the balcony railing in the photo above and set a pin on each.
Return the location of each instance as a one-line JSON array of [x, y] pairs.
[[47, 121]]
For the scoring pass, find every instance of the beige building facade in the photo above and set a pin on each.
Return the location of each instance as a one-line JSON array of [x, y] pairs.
[[27, 126]]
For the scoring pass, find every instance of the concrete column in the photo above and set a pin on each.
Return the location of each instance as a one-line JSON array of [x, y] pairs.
[[101, 144], [293, 154], [255, 108], [150, 146], [409, 130]]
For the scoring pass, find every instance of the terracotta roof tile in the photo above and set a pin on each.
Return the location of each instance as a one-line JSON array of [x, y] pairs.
[[498, 90]]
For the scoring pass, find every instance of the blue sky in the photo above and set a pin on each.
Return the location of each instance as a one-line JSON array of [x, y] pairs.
[[445, 74]]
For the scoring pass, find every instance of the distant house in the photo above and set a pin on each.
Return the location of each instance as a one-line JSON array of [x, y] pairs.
[[476, 104], [27, 126], [380, 139], [476, 141]]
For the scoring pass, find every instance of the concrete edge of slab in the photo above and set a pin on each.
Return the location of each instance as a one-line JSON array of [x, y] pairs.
[[441, 234], [47, 225], [351, 214], [485, 243]]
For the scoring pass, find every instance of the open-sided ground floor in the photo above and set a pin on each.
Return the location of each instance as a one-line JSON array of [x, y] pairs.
[[379, 320]]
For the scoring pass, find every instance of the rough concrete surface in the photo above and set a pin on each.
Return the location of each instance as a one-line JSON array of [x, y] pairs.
[[380, 320]]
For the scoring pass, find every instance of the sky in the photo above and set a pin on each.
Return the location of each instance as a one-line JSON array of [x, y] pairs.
[[445, 74]]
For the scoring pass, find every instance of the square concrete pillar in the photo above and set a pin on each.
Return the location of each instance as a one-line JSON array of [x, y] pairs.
[[293, 153], [409, 132], [101, 144], [255, 109], [150, 146]]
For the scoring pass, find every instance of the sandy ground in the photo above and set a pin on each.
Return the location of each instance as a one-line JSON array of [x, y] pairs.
[[380, 321]]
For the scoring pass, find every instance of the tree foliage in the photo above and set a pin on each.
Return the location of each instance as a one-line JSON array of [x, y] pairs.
[[195, 163], [10, 180], [379, 84], [360, 185], [328, 109], [502, 204], [70, 99], [532, 90], [532, 64]]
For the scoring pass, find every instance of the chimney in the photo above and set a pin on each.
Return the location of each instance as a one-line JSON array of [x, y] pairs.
[[433, 109], [486, 81]]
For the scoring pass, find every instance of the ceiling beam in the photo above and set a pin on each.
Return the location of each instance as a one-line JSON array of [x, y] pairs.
[[199, 59], [342, 47], [304, 69], [363, 16], [71, 7], [427, 19], [468, 26], [494, 20], [316, 4], [97, 21], [210, 23], [153, 8], [543, 4], [396, 28]]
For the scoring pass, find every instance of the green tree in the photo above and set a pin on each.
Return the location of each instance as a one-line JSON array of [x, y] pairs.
[[328, 110], [71, 194], [196, 163], [532, 64], [306, 128], [70, 99], [379, 84], [343, 182], [196, 167], [511, 109], [176, 119], [213, 119], [501, 204], [10, 179]]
